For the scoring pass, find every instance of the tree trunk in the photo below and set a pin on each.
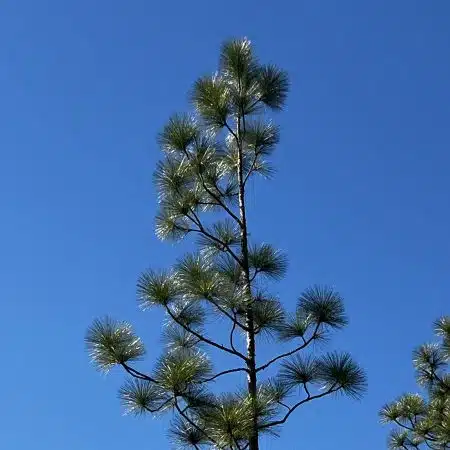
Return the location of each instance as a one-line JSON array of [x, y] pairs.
[[251, 353]]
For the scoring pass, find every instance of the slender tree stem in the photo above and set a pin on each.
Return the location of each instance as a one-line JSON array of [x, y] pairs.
[[249, 315]]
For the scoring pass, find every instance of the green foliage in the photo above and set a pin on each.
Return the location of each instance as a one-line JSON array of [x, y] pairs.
[[188, 314], [295, 326], [229, 421], [196, 278], [265, 260], [185, 435], [339, 372], [141, 396], [262, 137], [333, 372], [299, 371], [209, 156], [442, 329], [323, 306], [110, 343], [423, 420], [177, 338], [221, 235], [170, 226], [268, 315], [277, 389], [156, 289], [177, 370], [210, 96], [180, 132], [273, 86]]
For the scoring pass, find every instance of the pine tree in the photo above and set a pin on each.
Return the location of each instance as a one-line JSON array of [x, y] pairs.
[[423, 420], [210, 156]]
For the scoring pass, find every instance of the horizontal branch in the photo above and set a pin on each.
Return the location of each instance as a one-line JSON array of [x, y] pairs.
[[225, 372], [203, 338], [159, 407], [309, 398], [136, 374], [284, 355]]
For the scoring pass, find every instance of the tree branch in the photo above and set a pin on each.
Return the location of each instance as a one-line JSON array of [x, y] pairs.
[[159, 408], [283, 404], [203, 231], [252, 167], [236, 443], [213, 195], [293, 408], [136, 374], [204, 339], [187, 418], [403, 425], [227, 314], [232, 133], [239, 369], [235, 322], [284, 355]]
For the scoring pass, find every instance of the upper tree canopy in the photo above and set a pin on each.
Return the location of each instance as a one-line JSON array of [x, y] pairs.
[[208, 158]]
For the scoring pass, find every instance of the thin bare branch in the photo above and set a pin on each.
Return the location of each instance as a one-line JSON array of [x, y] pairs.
[[284, 405], [227, 314], [309, 398], [252, 168], [238, 369], [203, 338], [237, 444], [136, 374], [159, 408], [306, 342], [232, 333], [201, 229], [191, 422]]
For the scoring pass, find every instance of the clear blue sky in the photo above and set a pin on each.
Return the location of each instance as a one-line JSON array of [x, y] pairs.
[[361, 199]]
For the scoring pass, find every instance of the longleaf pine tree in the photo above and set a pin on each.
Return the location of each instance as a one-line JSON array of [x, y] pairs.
[[209, 158], [423, 420]]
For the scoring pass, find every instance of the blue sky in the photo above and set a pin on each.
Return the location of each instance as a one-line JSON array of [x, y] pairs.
[[361, 199]]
